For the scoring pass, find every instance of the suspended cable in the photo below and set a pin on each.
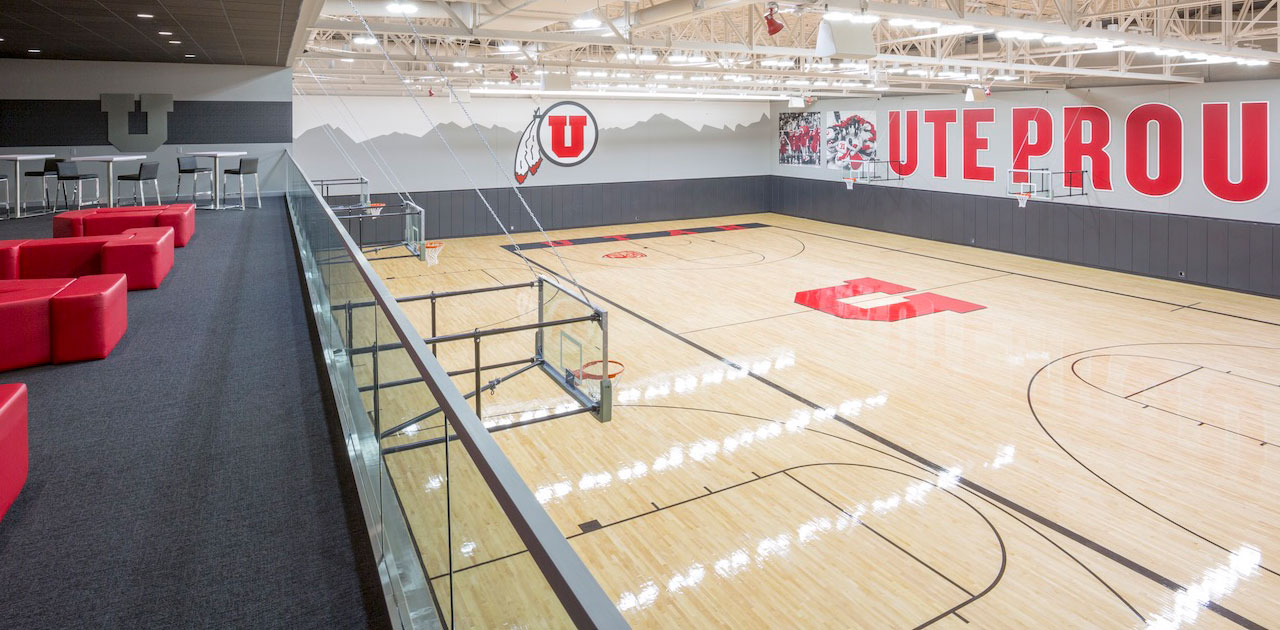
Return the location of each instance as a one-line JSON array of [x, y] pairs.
[[379, 161], [492, 155], [453, 154]]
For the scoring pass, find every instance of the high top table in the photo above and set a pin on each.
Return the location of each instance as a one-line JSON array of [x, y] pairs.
[[17, 159], [217, 171], [110, 161]]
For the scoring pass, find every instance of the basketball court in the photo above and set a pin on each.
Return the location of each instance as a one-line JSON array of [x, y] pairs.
[[1078, 448]]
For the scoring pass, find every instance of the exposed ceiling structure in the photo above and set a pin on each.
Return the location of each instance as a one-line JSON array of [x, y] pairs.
[[723, 48], [240, 32]]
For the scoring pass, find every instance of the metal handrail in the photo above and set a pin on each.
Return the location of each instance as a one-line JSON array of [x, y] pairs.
[[576, 589]]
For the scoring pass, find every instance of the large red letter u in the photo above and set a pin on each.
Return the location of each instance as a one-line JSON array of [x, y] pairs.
[[577, 141]]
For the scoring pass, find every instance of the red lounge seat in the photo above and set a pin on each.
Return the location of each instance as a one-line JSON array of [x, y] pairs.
[[13, 443], [26, 321], [145, 255], [106, 221], [89, 318], [61, 319], [146, 258]]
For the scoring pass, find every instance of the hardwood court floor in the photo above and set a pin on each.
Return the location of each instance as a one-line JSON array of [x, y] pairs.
[[1089, 450]]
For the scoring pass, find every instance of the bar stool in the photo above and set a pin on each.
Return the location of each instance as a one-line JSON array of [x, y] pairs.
[[147, 172], [50, 171], [69, 172], [248, 166], [189, 166]]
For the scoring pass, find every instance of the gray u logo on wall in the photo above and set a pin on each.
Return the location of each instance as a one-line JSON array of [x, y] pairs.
[[155, 106]]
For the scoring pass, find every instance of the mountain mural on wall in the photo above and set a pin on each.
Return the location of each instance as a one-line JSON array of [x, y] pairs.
[[661, 147]]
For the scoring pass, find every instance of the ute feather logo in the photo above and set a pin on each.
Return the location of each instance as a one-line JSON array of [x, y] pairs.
[[564, 135]]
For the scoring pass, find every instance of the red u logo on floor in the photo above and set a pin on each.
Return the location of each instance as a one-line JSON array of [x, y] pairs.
[[828, 301]]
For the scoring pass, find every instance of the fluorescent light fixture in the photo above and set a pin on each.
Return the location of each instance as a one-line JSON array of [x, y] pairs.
[[697, 58], [920, 25], [508, 47], [856, 18], [587, 20], [166, 33], [461, 64], [623, 75], [348, 60], [175, 41], [33, 50], [1025, 36], [189, 56], [364, 40], [647, 55], [145, 16], [956, 29], [599, 73], [1005, 77], [797, 82], [402, 8], [821, 83], [584, 73], [678, 57]]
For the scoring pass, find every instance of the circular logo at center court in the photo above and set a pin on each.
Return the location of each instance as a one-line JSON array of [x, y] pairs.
[[626, 253]]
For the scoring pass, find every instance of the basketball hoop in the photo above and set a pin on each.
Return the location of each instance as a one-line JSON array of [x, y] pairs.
[[431, 251], [615, 369], [849, 182], [1022, 198]]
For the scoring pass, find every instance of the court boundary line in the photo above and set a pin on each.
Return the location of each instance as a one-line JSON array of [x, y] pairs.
[[1191, 306], [897, 458], [978, 488], [1146, 405], [1036, 416]]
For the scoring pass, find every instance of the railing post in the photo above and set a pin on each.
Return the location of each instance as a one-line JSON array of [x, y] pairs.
[[478, 392]]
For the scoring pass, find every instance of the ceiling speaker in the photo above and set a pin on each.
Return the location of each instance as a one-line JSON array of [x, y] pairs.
[[847, 40]]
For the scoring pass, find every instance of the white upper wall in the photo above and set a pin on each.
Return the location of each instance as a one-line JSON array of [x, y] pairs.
[[1192, 196], [393, 143]]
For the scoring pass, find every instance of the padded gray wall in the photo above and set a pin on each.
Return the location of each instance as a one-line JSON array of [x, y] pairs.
[[458, 213], [1224, 253]]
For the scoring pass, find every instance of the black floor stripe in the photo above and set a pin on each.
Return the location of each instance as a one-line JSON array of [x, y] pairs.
[[1060, 529]]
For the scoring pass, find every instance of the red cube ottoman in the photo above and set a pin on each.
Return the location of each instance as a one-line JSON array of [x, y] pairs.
[[61, 320], [89, 318], [106, 221], [13, 443], [145, 255]]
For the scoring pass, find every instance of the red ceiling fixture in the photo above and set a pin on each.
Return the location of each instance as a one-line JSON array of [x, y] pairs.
[[431, 92], [514, 77], [774, 25]]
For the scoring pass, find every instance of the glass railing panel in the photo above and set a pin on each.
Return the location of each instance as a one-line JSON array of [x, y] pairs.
[[460, 540]]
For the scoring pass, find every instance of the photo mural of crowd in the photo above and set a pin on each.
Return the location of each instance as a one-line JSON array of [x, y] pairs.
[[837, 139]]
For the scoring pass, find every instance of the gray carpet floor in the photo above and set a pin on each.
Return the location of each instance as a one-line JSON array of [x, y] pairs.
[[189, 480]]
